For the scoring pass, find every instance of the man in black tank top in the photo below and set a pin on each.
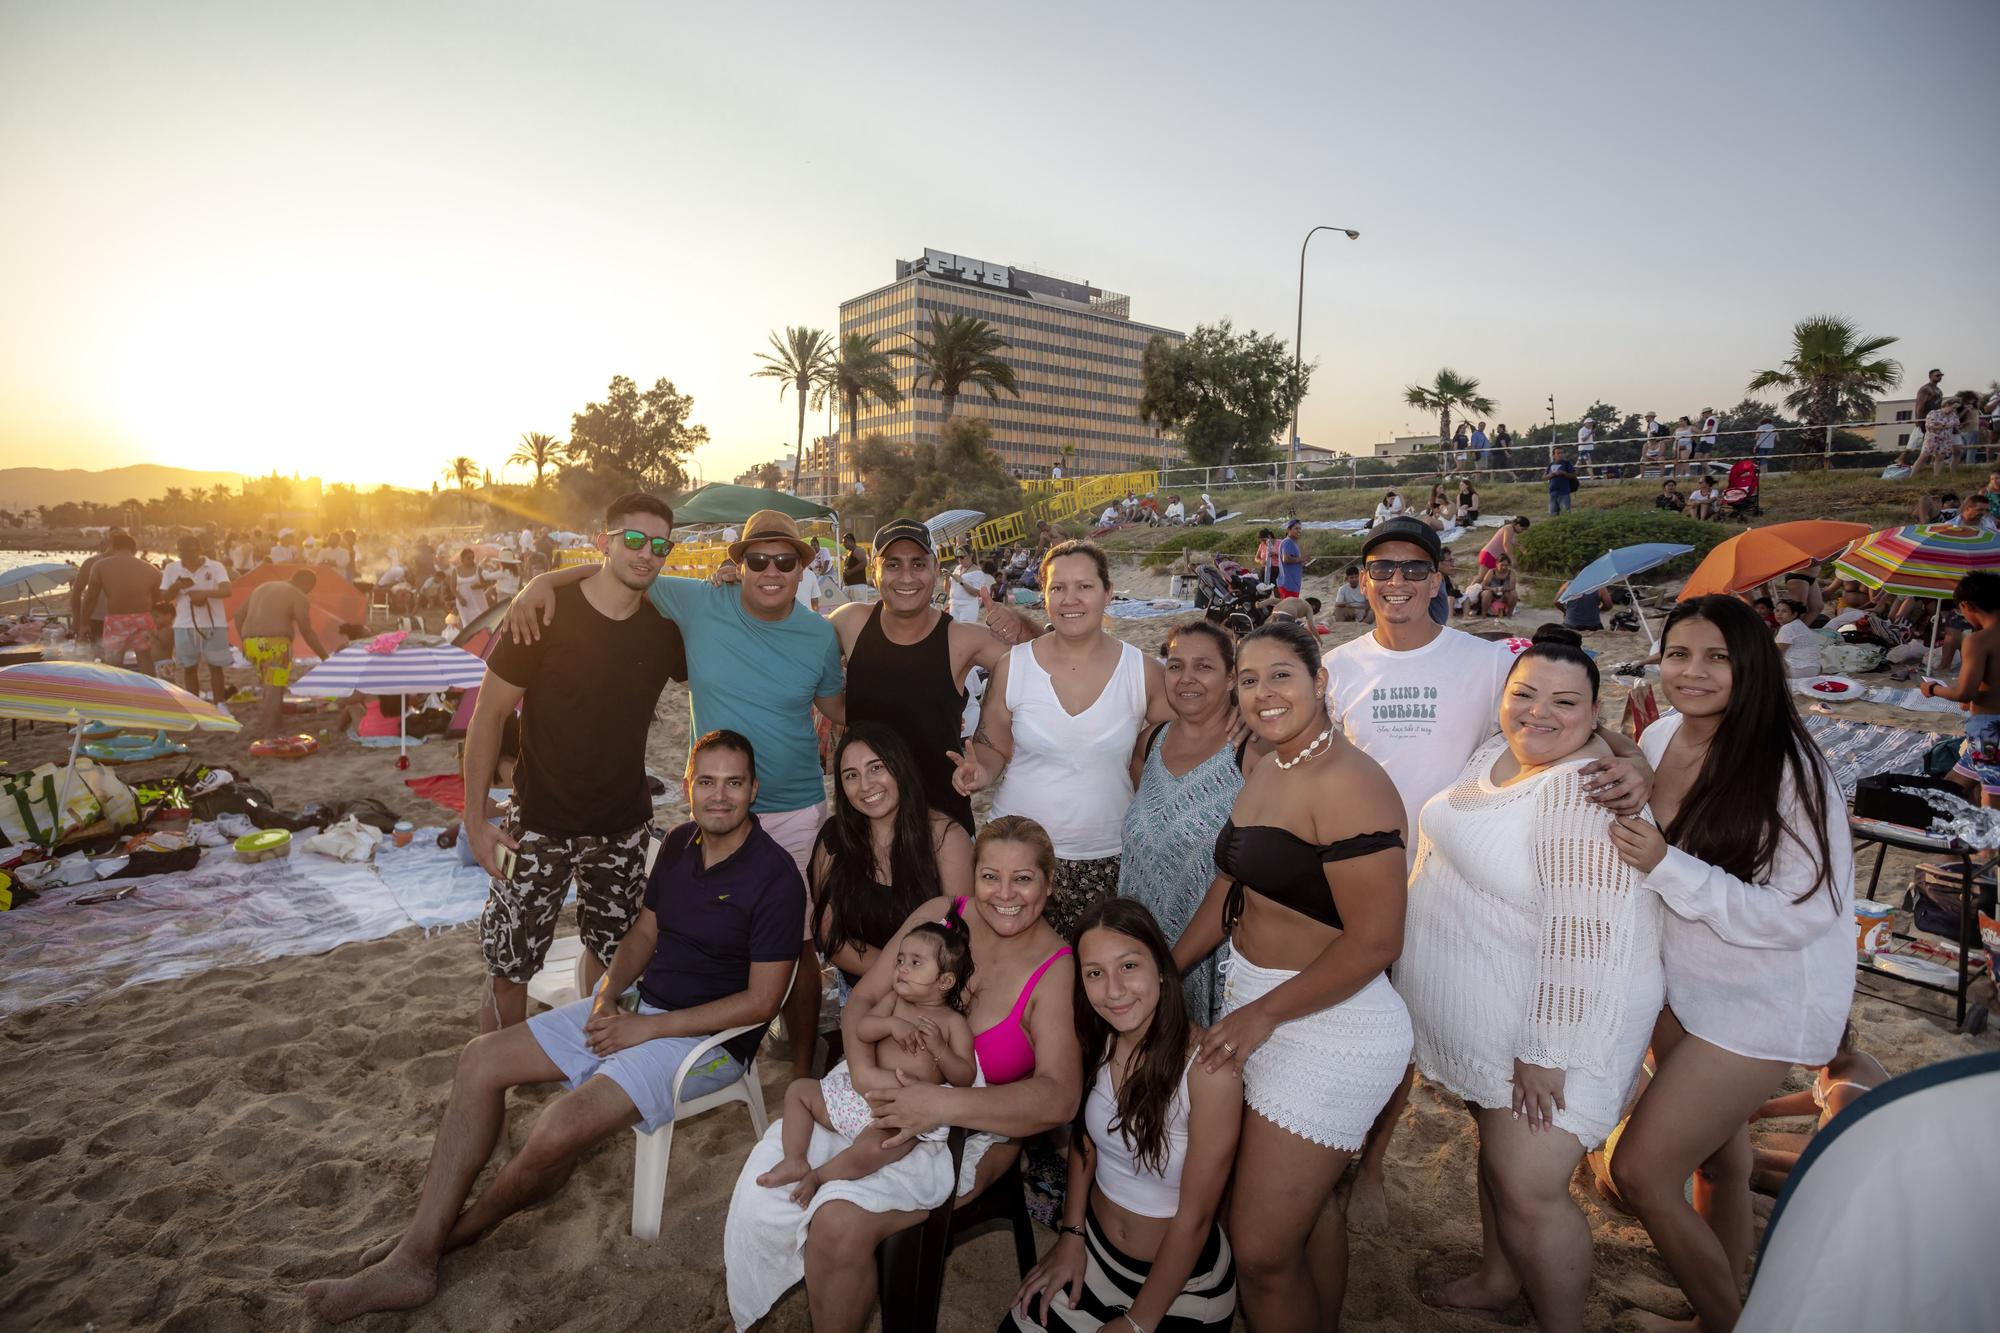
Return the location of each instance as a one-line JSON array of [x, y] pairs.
[[907, 661]]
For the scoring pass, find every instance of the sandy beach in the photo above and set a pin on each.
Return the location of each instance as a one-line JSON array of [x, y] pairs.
[[186, 1155]]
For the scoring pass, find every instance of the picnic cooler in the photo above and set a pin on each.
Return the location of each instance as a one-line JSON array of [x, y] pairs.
[[29, 801]]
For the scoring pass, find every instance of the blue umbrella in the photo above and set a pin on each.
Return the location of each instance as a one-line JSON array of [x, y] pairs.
[[1618, 567]]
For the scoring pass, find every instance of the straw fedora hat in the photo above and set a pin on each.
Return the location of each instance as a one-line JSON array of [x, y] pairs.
[[768, 525]]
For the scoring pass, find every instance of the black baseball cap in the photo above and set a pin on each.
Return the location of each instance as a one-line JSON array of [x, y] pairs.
[[903, 530], [1405, 530]]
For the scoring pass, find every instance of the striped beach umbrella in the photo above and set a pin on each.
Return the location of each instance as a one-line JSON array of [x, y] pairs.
[[1920, 559], [76, 692], [79, 692], [407, 669]]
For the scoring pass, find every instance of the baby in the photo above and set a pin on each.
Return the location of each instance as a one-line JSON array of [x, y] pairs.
[[916, 1030]]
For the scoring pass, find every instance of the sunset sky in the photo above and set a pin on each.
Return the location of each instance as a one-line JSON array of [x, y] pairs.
[[357, 239]]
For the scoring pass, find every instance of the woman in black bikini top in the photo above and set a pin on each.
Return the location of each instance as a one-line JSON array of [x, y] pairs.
[[1285, 868]]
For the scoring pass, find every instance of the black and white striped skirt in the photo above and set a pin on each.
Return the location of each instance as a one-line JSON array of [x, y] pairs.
[[1111, 1282]]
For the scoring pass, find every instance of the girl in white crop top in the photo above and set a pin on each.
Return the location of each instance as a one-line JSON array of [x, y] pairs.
[[1139, 1242]]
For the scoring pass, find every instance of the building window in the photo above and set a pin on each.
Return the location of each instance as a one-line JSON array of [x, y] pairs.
[[1902, 416]]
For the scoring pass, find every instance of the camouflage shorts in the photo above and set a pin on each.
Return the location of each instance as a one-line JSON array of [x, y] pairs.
[[519, 920]]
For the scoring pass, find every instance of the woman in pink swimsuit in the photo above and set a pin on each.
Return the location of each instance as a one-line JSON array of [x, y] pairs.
[[1024, 1035]]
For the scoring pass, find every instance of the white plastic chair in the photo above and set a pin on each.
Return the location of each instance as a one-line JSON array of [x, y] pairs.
[[650, 1152], [560, 980]]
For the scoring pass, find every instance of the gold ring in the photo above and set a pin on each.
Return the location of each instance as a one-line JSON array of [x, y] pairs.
[[1227, 1047]]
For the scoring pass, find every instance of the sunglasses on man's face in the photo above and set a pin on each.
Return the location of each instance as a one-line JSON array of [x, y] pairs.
[[759, 561], [1413, 571], [636, 541]]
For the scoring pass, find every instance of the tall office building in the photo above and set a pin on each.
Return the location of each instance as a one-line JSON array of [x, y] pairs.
[[1074, 349]]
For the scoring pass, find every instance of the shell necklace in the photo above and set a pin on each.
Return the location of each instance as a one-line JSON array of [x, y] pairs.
[[1319, 746]]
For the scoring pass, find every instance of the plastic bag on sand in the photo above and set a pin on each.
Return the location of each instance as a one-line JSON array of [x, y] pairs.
[[349, 840]]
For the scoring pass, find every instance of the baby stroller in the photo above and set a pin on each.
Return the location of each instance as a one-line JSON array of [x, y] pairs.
[[1739, 494], [1223, 592]]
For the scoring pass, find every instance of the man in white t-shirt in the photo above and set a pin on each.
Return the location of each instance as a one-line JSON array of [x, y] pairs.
[[1586, 446], [1419, 698], [967, 581], [1176, 511], [201, 622], [1709, 427], [1767, 439], [282, 550], [1350, 603]]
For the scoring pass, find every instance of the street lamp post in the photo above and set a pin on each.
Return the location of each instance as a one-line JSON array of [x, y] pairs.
[[1298, 333]]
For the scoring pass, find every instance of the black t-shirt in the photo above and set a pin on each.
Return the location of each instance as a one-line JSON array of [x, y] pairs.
[[853, 569], [592, 685]]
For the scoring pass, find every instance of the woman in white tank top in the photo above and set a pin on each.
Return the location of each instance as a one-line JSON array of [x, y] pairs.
[[1139, 1244], [1061, 716]]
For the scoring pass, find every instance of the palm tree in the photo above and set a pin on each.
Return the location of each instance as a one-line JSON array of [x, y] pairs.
[[537, 451], [462, 471], [1832, 369], [798, 362], [1449, 392], [858, 372], [959, 351]]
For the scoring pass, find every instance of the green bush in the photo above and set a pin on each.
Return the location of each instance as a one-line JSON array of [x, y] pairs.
[[1561, 546]]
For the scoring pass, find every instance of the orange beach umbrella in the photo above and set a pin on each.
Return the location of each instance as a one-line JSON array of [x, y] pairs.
[[1761, 554]]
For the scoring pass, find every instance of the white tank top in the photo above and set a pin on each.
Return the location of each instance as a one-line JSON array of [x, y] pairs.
[[1070, 774], [1124, 1182]]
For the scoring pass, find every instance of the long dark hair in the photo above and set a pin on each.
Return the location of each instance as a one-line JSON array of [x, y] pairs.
[[1732, 817], [856, 909], [1146, 1099]]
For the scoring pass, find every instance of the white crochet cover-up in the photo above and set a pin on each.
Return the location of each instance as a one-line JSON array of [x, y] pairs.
[[1527, 938]]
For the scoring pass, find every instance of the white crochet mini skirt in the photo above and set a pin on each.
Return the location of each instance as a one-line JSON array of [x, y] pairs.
[[1327, 1075]]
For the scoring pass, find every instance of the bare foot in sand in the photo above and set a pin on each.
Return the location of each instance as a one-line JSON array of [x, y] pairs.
[[386, 1286], [1475, 1293], [377, 1252], [1367, 1205], [785, 1172]]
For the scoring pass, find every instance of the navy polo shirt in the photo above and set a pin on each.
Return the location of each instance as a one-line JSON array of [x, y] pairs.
[[717, 920]]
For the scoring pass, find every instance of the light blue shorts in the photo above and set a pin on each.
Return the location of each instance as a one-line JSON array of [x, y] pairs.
[[644, 1072], [192, 647]]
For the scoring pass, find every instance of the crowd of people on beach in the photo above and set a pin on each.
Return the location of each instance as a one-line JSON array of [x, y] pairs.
[[1223, 900]]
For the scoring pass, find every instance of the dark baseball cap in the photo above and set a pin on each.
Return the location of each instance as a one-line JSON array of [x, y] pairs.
[[1404, 530], [903, 530]]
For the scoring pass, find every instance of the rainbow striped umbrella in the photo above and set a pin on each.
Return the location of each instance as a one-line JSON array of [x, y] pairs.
[[1920, 559], [79, 692], [72, 692]]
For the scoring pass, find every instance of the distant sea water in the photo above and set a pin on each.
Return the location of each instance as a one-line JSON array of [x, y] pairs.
[[15, 559]]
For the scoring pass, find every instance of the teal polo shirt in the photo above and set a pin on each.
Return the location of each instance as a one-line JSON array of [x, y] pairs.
[[757, 677]]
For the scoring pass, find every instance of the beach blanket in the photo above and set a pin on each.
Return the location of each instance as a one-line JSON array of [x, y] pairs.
[[1859, 749], [445, 789], [1914, 700], [1135, 609], [224, 913]]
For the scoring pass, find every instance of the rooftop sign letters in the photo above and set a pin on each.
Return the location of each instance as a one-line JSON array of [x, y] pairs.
[[966, 269]]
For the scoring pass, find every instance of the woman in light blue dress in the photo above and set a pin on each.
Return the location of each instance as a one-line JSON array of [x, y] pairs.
[[1187, 774]]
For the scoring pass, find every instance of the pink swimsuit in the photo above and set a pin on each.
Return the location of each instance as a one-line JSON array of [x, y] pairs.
[[1004, 1051]]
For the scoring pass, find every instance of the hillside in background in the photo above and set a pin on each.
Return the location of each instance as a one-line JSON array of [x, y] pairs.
[[25, 487]]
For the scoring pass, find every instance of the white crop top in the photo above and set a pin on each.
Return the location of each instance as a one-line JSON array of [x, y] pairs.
[[1124, 1182], [1071, 773]]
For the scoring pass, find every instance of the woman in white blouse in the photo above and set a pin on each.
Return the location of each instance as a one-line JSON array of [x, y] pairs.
[[1060, 717], [1531, 968], [1757, 872]]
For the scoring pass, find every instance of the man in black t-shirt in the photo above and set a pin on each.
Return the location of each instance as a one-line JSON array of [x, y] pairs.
[[587, 690]]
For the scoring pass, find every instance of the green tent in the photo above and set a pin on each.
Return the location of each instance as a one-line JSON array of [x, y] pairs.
[[720, 503]]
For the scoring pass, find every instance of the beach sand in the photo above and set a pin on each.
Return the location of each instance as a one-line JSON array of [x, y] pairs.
[[187, 1155]]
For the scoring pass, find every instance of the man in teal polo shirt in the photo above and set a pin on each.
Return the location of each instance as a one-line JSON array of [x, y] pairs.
[[758, 664]]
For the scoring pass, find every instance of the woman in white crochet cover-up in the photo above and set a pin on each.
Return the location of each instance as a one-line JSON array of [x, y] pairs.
[[1757, 869], [1531, 967]]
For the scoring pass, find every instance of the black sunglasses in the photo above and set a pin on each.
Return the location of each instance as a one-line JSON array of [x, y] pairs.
[[1413, 571], [636, 540], [759, 561]]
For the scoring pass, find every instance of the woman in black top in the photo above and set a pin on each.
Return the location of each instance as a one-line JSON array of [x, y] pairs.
[[883, 854], [1310, 895]]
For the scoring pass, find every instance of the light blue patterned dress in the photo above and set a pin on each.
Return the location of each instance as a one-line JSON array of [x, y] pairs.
[[1168, 860]]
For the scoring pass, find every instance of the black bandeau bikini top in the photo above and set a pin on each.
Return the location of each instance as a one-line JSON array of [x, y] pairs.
[[1286, 868]]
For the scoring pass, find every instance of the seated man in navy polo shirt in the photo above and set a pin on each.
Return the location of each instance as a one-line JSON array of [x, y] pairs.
[[713, 947]]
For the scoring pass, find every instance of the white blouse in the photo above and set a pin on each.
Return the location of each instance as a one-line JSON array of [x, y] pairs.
[[1749, 969], [1071, 773]]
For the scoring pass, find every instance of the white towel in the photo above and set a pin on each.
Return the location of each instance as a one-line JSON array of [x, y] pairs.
[[764, 1239]]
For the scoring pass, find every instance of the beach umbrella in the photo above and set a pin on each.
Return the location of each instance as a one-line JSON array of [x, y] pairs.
[[78, 692], [1618, 567], [947, 528], [1920, 560], [36, 579], [1762, 554], [387, 665]]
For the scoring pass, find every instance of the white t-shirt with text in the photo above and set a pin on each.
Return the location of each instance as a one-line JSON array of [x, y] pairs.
[[1421, 713], [208, 576]]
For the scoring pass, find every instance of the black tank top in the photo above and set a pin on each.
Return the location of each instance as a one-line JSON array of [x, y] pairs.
[[908, 688]]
